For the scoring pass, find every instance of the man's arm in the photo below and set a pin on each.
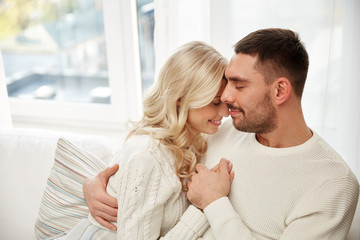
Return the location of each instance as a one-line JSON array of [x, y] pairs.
[[191, 226], [325, 213], [102, 206]]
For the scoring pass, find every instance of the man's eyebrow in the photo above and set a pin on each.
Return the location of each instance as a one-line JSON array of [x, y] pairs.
[[238, 79]]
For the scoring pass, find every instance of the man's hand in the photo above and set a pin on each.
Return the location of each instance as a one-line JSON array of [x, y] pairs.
[[207, 185], [102, 206]]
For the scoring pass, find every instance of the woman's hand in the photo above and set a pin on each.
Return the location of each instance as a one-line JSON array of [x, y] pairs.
[[206, 186]]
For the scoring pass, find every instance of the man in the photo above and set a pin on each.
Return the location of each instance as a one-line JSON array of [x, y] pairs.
[[289, 183]]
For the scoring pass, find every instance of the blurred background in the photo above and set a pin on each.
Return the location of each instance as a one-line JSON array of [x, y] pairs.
[[84, 65]]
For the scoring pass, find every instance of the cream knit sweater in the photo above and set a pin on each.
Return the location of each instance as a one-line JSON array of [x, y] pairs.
[[150, 197], [303, 192]]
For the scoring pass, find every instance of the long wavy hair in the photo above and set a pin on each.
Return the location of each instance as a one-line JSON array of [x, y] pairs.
[[190, 78]]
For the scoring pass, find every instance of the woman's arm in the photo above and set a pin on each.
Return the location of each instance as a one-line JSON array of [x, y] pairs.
[[141, 197], [101, 206]]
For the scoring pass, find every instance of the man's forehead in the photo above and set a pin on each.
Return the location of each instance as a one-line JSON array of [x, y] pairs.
[[231, 69], [240, 67]]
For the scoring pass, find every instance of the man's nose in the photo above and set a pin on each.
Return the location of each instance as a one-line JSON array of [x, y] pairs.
[[227, 95]]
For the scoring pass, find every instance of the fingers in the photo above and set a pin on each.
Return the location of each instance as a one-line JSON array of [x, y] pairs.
[[105, 223], [108, 172], [224, 166], [200, 167], [230, 166], [225, 160], [232, 175], [227, 166], [110, 201], [106, 213], [106, 209], [95, 192], [215, 168]]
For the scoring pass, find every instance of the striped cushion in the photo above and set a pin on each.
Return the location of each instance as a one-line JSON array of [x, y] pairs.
[[63, 205]]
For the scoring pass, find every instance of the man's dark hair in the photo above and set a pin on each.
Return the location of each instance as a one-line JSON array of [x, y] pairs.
[[280, 53]]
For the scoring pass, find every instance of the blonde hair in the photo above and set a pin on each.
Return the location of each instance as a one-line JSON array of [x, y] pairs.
[[190, 78]]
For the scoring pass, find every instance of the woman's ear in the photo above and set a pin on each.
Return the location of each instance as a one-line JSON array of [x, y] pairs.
[[178, 104], [282, 90]]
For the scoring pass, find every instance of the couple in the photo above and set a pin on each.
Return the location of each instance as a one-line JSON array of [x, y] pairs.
[[283, 182]]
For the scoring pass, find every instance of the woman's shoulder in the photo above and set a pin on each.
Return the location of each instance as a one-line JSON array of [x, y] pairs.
[[144, 155], [141, 149], [139, 142]]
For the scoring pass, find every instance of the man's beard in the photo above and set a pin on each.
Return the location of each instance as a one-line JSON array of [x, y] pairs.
[[260, 119]]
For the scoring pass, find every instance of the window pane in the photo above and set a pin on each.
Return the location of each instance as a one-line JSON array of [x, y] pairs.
[[146, 41], [54, 49]]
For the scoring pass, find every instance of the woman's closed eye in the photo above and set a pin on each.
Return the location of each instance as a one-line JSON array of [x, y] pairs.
[[216, 102]]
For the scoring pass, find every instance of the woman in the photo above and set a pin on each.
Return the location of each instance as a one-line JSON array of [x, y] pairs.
[[163, 148]]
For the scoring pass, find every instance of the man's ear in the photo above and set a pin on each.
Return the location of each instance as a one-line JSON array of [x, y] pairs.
[[282, 90]]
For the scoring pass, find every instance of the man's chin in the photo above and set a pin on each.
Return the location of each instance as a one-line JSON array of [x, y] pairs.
[[236, 124]]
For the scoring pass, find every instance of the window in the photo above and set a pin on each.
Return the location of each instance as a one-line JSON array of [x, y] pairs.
[[56, 50], [77, 62], [146, 24]]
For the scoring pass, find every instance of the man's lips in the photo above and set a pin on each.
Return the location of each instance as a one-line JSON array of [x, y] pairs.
[[233, 112]]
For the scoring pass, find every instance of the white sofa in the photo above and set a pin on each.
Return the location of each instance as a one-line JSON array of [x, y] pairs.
[[26, 157]]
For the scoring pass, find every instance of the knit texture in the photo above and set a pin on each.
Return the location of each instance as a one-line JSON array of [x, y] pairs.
[[149, 194], [303, 192]]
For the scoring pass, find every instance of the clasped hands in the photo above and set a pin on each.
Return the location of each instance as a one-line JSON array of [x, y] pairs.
[[204, 187]]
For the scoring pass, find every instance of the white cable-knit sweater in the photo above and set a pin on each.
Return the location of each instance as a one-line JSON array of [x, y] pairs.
[[149, 194], [305, 192]]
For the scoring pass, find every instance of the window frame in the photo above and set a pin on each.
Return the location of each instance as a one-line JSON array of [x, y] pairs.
[[124, 74]]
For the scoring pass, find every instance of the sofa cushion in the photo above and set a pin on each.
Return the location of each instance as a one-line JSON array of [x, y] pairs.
[[63, 204], [26, 158]]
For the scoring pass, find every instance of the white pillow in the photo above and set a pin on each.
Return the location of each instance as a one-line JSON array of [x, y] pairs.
[[63, 204]]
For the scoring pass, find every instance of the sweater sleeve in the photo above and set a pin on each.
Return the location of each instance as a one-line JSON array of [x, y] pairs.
[[139, 212], [228, 224], [191, 225], [326, 214]]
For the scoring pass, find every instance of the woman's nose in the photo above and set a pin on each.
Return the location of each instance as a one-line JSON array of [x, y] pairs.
[[224, 110]]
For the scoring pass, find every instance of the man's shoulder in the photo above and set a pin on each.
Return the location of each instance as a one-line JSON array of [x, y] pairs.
[[332, 163]]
